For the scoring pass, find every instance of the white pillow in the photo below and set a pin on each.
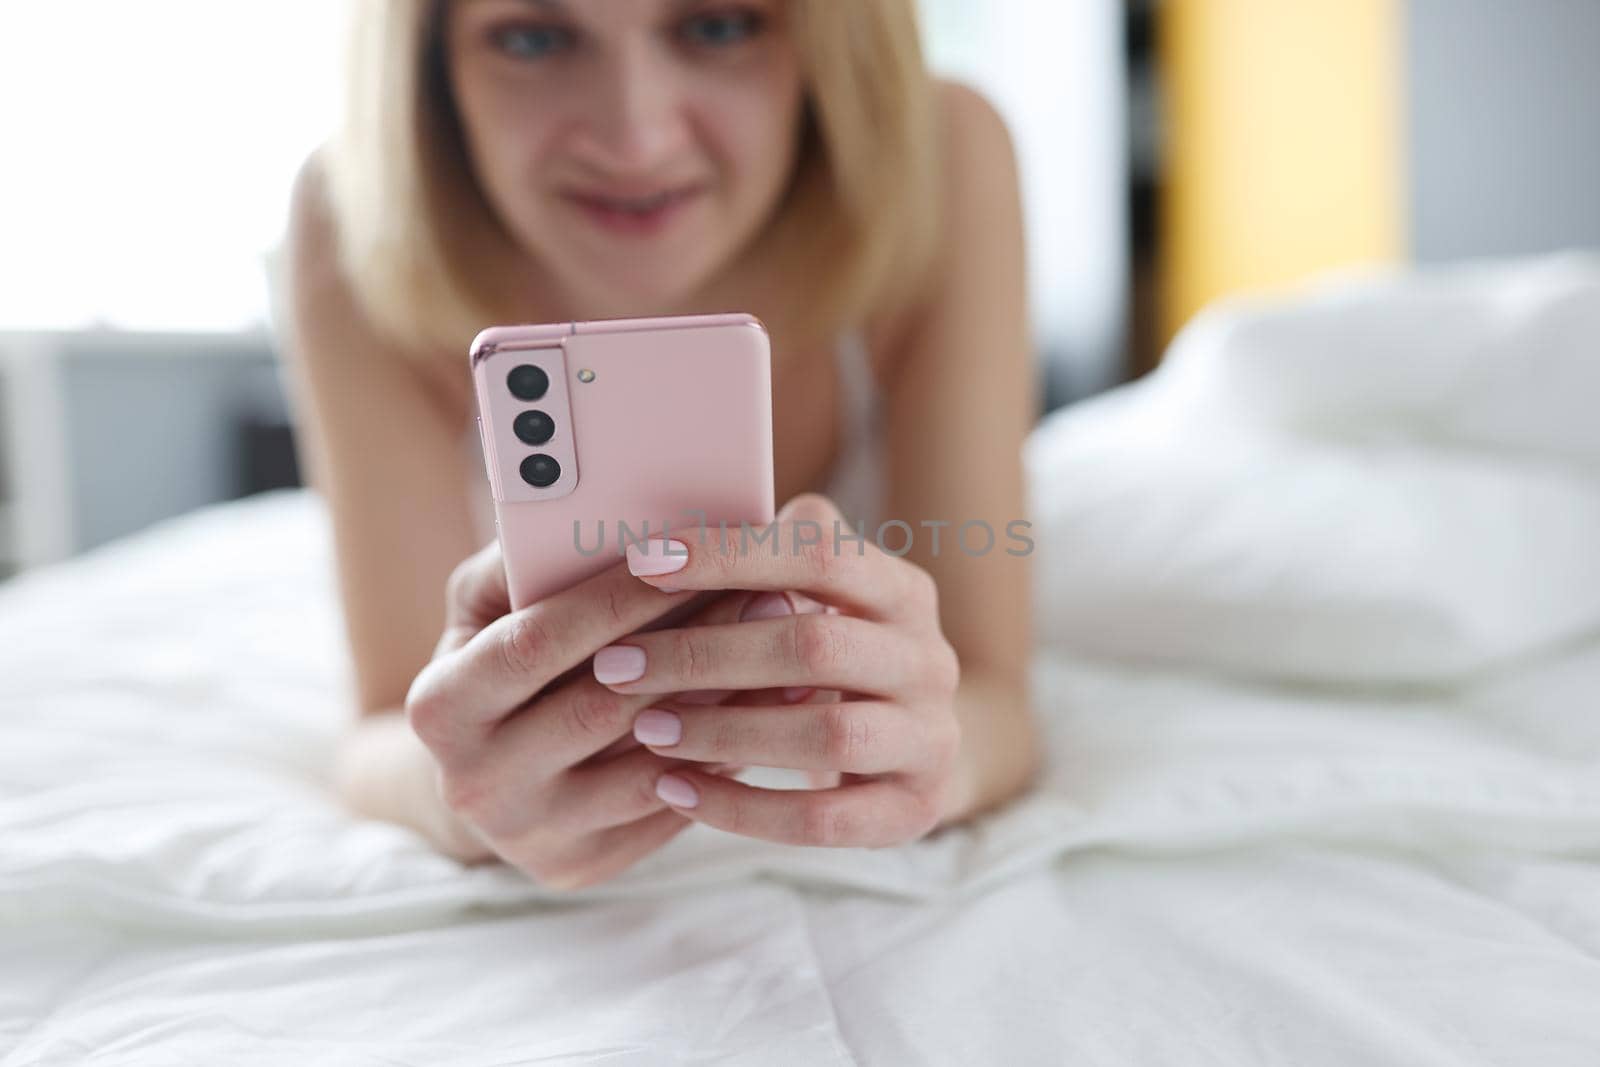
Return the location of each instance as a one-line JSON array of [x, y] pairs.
[[1502, 354], [1329, 489]]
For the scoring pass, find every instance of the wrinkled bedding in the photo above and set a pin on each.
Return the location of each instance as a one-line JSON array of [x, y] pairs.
[[1354, 819]]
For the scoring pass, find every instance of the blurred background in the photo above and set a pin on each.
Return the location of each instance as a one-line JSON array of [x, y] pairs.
[[1172, 151]]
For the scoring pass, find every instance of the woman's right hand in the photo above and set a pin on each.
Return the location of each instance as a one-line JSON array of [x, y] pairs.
[[515, 759]]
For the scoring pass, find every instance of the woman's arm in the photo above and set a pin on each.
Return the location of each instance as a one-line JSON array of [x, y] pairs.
[[378, 439], [961, 399]]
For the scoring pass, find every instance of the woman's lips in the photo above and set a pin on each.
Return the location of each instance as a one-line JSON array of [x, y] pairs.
[[640, 216]]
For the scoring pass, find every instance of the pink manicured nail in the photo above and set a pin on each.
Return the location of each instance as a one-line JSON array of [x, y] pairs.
[[766, 606], [676, 791], [657, 556], [655, 726], [615, 664]]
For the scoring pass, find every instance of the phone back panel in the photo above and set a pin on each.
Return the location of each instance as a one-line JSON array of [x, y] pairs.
[[657, 422]]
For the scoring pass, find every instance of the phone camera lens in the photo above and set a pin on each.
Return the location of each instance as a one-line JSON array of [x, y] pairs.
[[534, 427], [528, 382], [540, 470]]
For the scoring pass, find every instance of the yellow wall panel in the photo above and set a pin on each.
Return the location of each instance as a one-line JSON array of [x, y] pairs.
[[1284, 152]]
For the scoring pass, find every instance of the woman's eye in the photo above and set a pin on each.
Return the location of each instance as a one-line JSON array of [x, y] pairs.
[[531, 42], [720, 29]]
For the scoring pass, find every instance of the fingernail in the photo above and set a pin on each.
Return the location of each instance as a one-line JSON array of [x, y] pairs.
[[618, 663], [766, 606], [657, 556], [796, 693], [655, 726], [676, 791]]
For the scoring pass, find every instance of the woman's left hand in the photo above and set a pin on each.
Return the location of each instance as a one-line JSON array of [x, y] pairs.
[[879, 673]]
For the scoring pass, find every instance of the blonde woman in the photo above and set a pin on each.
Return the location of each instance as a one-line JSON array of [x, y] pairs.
[[548, 160]]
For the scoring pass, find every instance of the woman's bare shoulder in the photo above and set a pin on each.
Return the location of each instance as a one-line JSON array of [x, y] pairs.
[[311, 234], [322, 301], [977, 159], [329, 320], [970, 116]]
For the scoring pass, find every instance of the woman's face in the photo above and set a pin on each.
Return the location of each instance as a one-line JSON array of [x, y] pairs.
[[631, 147]]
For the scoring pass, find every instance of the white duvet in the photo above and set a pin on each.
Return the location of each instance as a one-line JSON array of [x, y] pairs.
[[1319, 670]]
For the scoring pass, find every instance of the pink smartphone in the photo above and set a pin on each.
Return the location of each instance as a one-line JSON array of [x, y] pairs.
[[598, 434]]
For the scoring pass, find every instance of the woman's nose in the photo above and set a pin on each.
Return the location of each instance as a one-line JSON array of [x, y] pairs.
[[636, 114]]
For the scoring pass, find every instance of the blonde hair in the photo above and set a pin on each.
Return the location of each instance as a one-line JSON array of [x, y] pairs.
[[423, 248]]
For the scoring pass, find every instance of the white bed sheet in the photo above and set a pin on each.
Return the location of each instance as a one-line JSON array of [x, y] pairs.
[[1214, 869], [1213, 872]]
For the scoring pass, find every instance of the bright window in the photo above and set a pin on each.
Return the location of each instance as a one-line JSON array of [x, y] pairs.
[[149, 149]]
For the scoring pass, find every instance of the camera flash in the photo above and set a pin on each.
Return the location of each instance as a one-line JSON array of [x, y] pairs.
[[586, 376]]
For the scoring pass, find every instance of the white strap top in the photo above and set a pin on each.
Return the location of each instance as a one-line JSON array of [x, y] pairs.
[[855, 483]]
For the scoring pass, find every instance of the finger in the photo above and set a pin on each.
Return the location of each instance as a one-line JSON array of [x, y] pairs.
[[783, 695], [505, 801], [742, 606], [615, 748], [752, 606], [810, 549], [475, 595], [512, 658], [705, 696], [608, 853], [821, 651], [870, 814], [601, 795], [856, 737], [746, 607], [580, 720], [631, 744]]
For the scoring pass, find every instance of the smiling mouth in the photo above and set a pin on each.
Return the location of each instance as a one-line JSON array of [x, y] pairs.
[[635, 214], [635, 205]]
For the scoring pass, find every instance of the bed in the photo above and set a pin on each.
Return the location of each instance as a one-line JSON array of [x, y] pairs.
[[1318, 669]]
